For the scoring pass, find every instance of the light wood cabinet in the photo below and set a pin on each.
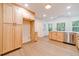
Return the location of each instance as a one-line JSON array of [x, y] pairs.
[[54, 35], [0, 37], [50, 35], [8, 37], [12, 14], [11, 21], [36, 37], [32, 32], [18, 36], [58, 36], [18, 21], [0, 28], [10, 28], [13, 35], [7, 13], [77, 40], [18, 17]]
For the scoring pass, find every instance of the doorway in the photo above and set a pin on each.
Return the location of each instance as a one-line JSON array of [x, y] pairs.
[[28, 30]]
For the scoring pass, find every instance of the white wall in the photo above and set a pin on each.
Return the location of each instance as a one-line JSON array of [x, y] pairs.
[[39, 27]]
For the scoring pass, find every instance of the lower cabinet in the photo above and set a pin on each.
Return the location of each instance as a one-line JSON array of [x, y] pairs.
[[36, 36], [77, 40], [77, 43], [50, 35], [54, 35], [8, 37], [58, 36], [0, 38], [18, 36], [12, 37]]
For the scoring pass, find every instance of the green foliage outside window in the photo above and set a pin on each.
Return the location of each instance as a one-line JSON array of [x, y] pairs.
[[75, 26], [60, 26], [49, 27]]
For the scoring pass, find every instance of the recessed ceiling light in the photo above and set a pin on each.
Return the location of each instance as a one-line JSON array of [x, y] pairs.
[[26, 5], [48, 6], [68, 7], [44, 15]]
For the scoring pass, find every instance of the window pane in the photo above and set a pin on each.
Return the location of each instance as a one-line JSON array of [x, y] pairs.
[[76, 29], [50, 27], [60, 26], [75, 23]]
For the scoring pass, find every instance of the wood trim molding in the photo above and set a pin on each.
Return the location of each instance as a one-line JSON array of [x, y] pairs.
[[24, 19]]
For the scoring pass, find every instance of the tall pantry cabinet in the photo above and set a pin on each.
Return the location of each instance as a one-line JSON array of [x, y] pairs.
[[18, 21], [0, 29], [11, 22]]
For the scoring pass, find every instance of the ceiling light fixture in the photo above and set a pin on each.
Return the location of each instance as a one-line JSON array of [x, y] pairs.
[[48, 6], [44, 15], [26, 5], [68, 7]]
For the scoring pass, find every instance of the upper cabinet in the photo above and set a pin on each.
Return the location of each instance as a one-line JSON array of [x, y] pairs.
[[0, 13], [12, 14], [18, 18], [15, 14], [7, 13]]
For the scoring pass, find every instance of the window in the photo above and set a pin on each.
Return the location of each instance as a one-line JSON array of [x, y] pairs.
[[50, 27], [60, 26], [75, 26]]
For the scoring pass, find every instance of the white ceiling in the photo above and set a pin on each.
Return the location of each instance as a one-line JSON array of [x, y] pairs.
[[57, 10]]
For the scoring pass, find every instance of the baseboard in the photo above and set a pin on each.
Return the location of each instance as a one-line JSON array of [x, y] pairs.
[[69, 43], [56, 40], [26, 42], [10, 51]]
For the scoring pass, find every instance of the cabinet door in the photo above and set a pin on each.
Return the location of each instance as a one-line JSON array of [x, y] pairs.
[[18, 36], [17, 12], [77, 40], [7, 13], [54, 35], [50, 35], [8, 39], [78, 43], [60, 36], [0, 28]]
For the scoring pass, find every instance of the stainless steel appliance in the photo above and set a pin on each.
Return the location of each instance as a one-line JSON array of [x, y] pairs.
[[69, 38]]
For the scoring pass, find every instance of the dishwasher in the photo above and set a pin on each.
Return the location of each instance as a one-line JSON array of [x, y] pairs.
[[69, 38]]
